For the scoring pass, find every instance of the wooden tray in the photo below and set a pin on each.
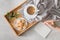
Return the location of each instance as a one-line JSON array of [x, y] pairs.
[[16, 9]]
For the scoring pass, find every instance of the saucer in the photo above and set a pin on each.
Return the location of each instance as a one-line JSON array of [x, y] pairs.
[[26, 15]]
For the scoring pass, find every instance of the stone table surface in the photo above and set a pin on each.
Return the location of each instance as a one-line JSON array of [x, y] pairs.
[[6, 32]]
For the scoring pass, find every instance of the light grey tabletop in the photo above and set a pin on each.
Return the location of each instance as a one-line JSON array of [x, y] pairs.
[[6, 32]]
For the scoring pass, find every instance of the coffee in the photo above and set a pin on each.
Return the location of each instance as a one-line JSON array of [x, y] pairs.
[[31, 10]]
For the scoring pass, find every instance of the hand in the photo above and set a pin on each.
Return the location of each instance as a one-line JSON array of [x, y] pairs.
[[51, 22]]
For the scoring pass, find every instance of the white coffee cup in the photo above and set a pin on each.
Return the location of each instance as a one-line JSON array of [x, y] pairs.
[[27, 15]]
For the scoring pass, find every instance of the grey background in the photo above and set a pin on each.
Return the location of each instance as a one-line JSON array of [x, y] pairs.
[[6, 32]]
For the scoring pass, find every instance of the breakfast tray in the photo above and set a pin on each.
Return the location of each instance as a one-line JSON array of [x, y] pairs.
[[17, 10]]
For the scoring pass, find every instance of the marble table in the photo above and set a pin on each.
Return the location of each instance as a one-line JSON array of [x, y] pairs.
[[6, 32]]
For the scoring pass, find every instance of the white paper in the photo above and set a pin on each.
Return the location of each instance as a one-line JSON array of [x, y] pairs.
[[42, 29]]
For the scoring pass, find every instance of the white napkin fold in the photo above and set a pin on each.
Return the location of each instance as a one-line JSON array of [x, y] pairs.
[[36, 2]]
